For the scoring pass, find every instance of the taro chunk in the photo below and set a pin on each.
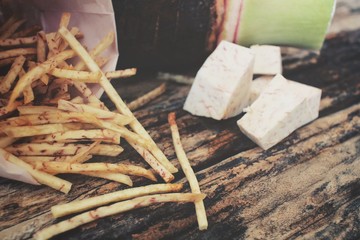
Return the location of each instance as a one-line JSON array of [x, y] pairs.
[[267, 59], [280, 109], [222, 85]]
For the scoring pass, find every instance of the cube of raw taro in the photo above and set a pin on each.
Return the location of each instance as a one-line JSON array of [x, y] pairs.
[[221, 86], [267, 59], [281, 108], [257, 86]]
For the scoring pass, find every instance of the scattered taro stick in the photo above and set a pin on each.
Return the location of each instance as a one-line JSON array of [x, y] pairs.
[[44, 78], [77, 100], [12, 42], [113, 209], [50, 118], [37, 72], [121, 73], [148, 97], [82, 155], [61, 149], [29, 110], [41, 47], [101, 61], [117, 118], [9, 22], [8, 80], [97, 201], [6, 141], [30, 31], [65, 167], [28, 131], [103, 135], [99, 105], [12, 29], [116, 99], [64, 22], [104, 43], [74, 31], [28, 91], [41, 177], [55, 99], [16, 52], [130, 136], [183, 79], [116, 177], [32, 159], [56, 87], [188, 171], [95, 102], [6, 110], [51, 43], [83, 76], [99, 48], [151, 160]]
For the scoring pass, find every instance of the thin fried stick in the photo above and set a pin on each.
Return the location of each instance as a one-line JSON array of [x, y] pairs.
[[77, 100], [116, 99], [148, 97], [8, 23], [99, 113], [27, 32], [130, 136], [9, 31], [12, 42], [116, 177], [61, 149], [50, 118], [151, 160], [7, 109], [41, 177], [17, 52], [121, 73], [86, 77], [37, 72], [65, 167], [41, 47], [82, 155], [113, 209], [28, 110], [32, 159], [28, 91], [103, 135], [189, 173], [97, 201], [10, 77], [99, 48], [27, 131]]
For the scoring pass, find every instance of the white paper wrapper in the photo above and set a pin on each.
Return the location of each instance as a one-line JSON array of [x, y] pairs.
[[95, 18]]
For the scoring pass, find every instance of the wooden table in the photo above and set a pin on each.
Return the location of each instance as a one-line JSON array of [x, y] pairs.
[[306, 187]]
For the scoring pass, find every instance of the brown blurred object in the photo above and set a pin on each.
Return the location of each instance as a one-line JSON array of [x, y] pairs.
[[164, 35]]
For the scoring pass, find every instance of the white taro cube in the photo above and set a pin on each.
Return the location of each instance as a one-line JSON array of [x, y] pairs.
[[257, 86], [222, 85], [281, 108], [267, 59]]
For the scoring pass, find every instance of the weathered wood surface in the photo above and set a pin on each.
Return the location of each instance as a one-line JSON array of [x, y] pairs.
[[307, 187]]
